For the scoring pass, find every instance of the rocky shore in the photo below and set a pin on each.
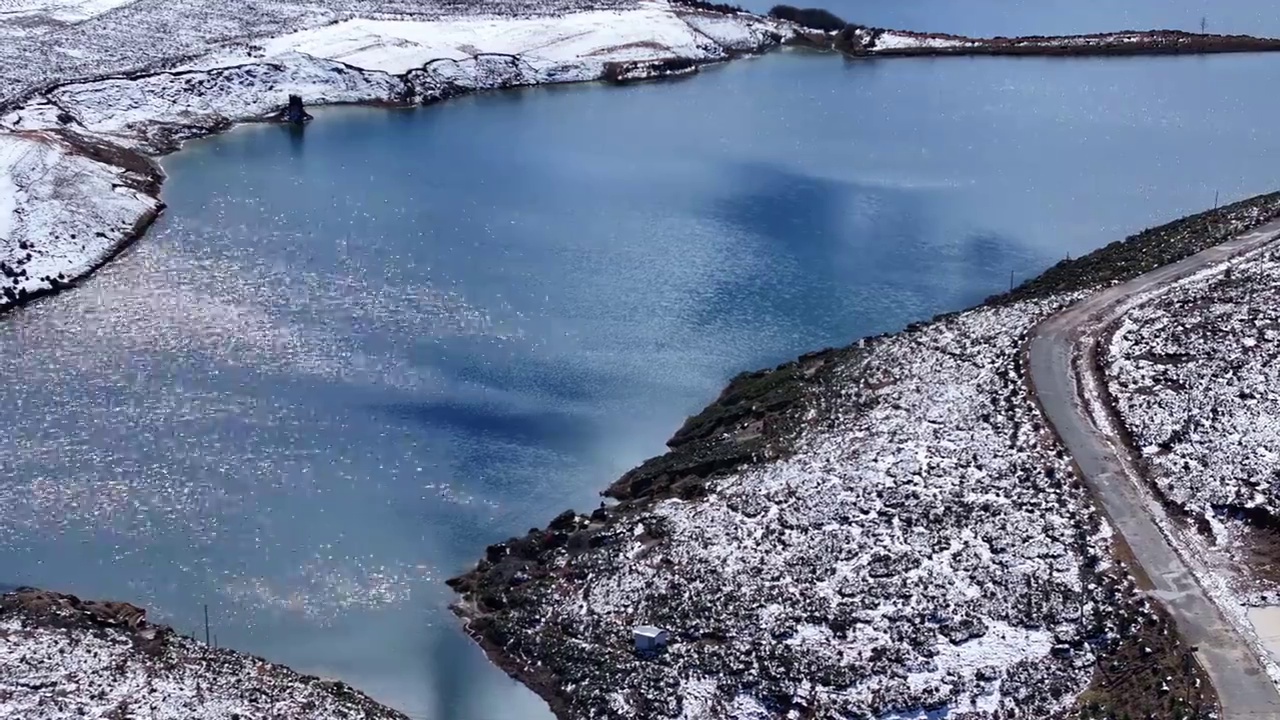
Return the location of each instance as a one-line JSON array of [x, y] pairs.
[[62, 657], [859, 41], [809, 538]]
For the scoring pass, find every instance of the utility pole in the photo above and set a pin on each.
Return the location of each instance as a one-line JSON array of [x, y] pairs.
[[1215, 199], [1010, 279], [206, 624], [1204, 22]]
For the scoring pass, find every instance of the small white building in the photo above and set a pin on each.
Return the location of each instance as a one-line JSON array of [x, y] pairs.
[[650, 639]]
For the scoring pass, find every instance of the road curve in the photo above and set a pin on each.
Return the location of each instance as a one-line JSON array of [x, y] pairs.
[[1060, 361]]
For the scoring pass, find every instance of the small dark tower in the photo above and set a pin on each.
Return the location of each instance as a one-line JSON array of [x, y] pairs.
[[295, 113]]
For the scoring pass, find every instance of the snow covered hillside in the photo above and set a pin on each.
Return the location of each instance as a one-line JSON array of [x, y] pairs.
[[390, 36], [62, 212], [90, 38], [888, 530], [923, 549], [384, 61], [64, 658]]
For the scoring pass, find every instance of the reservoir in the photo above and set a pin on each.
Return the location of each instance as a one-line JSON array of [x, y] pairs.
[[347, 359]]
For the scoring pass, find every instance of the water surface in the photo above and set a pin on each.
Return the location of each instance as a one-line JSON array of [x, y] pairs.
[[347, 359]]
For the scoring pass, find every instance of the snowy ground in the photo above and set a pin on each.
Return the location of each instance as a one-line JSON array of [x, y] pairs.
[[62, 659], [1193, 373], [1193, 377]]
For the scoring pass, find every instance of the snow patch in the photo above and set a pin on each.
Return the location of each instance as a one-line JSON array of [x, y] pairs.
[[891, 40], [652, 32]]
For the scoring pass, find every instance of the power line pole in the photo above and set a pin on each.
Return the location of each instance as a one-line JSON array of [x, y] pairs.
[[1204, 22], [206, 624]]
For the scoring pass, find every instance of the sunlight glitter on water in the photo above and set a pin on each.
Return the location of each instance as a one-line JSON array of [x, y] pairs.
[[136, 423]]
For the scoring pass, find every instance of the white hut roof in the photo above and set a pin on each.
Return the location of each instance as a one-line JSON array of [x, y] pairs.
[[649, 631]]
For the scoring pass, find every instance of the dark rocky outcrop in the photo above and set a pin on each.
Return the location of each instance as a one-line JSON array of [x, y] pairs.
[[295, 113], [620, 73], [64, 609], [813, 18], [715, 7]]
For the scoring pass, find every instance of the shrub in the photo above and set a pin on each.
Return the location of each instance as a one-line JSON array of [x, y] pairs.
[[815, 18], [725, 8]]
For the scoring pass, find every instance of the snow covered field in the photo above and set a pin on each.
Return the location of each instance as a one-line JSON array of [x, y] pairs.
[[1193, 374], [61, 213]]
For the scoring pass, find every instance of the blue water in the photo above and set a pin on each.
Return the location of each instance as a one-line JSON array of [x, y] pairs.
[[346, 360]]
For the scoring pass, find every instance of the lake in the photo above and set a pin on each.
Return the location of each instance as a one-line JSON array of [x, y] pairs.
[[349, 358]]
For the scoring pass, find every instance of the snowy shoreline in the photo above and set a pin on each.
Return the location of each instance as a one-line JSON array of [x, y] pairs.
[[64, 657], [878, 42], [76, 181]]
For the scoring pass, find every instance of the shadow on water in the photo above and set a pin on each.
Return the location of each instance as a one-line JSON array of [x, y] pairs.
[[829, 233], [296, 133], [454, 679], [889, 245], [556, 431]]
